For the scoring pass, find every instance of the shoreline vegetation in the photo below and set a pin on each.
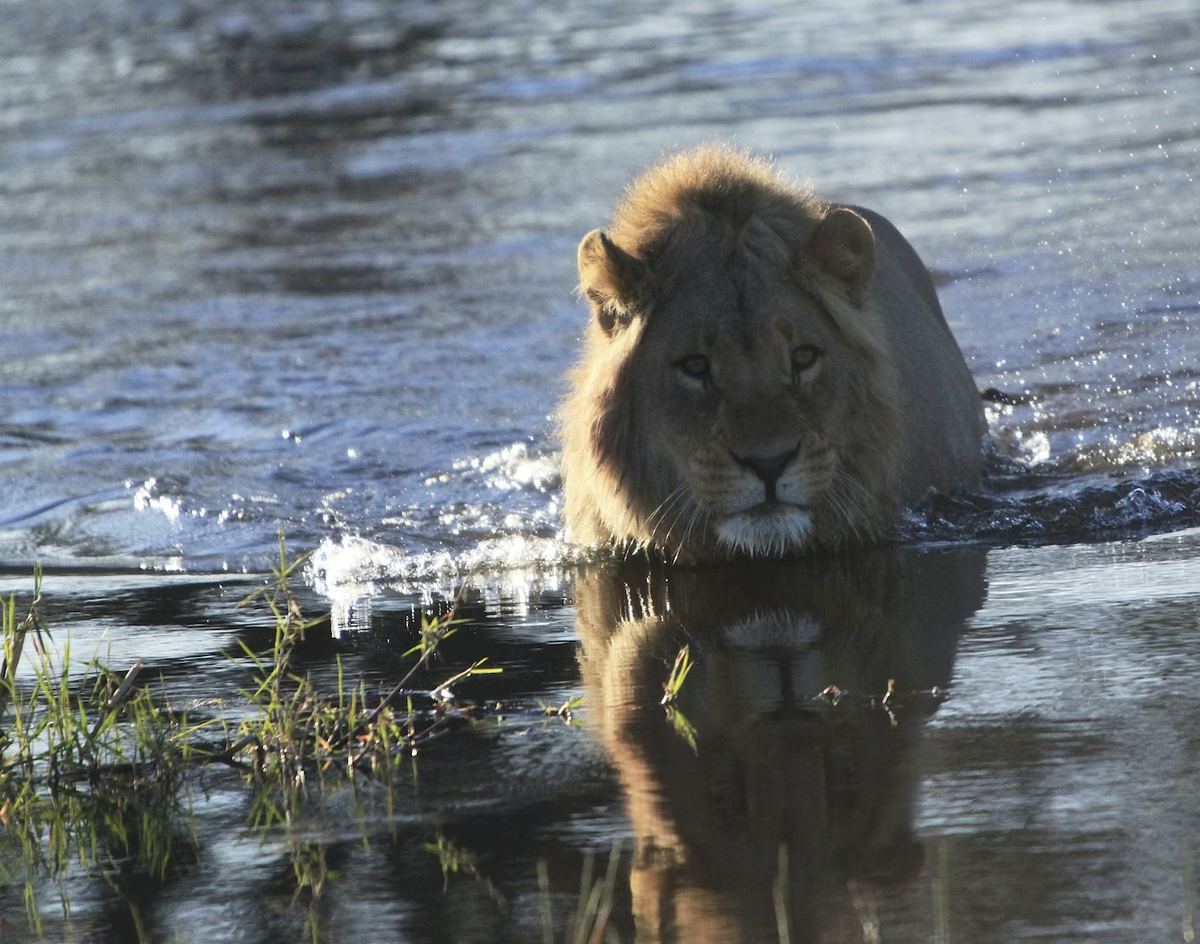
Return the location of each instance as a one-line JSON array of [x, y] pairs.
[[99, 770]]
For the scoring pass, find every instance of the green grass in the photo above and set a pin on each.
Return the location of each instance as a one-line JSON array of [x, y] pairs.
[[588, 920], [97, 770], [90, 768], [672, 689]]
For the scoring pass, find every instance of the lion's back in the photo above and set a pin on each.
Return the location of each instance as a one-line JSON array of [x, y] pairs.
[[941, 410]]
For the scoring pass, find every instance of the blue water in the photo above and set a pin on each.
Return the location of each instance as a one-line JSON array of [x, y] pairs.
[[311, 265], [308, 267]]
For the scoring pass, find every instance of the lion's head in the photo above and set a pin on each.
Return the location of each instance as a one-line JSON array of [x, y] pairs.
[[734, 395]]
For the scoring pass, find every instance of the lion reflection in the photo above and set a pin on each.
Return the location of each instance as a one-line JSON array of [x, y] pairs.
[[761, 778]]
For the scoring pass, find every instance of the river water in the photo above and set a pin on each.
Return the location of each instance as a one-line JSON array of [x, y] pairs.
[[309, 266]]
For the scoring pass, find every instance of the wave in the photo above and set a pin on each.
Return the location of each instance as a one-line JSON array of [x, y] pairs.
[[1021, 507]]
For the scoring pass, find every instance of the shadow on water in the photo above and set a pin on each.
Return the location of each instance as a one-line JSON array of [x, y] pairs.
[[300, 49], [772, 809]]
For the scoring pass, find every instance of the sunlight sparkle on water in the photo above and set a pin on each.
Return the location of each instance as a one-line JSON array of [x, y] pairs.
[[144, 499]]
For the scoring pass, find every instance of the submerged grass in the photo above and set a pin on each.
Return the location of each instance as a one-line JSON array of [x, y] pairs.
[[588, 921], [95, 767]]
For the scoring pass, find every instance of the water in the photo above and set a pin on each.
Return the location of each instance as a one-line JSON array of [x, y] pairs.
[[309, 266], [312, 264]]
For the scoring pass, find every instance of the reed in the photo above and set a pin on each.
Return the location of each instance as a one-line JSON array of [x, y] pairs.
[[90, 767], [97, 768]]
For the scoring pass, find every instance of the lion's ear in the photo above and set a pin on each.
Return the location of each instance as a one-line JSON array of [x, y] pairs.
[[844, 247], [614, 281]]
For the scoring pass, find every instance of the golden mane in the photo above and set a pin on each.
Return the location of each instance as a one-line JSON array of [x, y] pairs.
[[719, 193]]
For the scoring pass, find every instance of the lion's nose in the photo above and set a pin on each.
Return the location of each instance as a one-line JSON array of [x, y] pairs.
[[768, 469]]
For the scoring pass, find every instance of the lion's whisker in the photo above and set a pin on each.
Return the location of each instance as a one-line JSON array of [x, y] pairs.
[[681, 505], [699, 509], [678, 492], [684, 509], [694, 511], [842, 499]]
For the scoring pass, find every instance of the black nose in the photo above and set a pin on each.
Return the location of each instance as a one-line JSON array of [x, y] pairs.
[[768, 470]]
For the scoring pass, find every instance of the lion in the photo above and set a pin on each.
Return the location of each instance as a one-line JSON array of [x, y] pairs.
[[764, 372]]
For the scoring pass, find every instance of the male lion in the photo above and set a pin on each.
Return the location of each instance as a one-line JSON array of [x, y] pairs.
[[764, 372]]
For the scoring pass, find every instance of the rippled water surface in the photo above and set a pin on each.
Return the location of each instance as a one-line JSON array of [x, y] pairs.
[[309, 266], [312, 264]]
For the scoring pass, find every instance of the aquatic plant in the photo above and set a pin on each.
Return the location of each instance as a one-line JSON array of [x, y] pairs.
[[297, 730], [90, 769], [672, 688], [94, 766], [588, 920], [565, 711]]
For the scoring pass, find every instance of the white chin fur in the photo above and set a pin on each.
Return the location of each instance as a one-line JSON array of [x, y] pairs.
[[766, 533]]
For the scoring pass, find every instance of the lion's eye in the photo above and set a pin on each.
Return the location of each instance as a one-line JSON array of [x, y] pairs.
[[805, 356], [695, 366]]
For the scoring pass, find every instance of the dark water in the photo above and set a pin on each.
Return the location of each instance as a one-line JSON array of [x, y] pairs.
[[1047, 793], [309, 265]]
